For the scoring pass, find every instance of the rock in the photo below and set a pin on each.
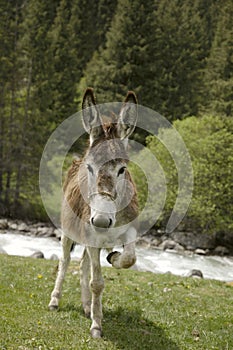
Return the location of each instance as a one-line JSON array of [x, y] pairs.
[[168, 244], [37, 255], [195, 273], [32, 232], [155, 242], [3, 224], [45, 232], [57, 232], [221, 250], [13, 226], [192, 241], [54, 257], [39, 224], [200, 251], [190, 248], [23, 227], [224, 239], [51, 232], [143, 242], [179, 248]]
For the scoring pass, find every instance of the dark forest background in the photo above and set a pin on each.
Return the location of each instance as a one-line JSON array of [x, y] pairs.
[[176, 55]]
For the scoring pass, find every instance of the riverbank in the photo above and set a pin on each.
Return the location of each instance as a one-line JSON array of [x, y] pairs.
[[154, 260], [220, 244]]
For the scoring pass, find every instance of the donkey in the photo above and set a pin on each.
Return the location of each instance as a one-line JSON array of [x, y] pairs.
[[99, 208]]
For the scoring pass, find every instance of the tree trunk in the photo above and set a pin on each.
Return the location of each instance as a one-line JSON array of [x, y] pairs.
[[1, 143], [23, 143]]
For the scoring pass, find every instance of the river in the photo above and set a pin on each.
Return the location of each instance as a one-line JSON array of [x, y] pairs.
[[154, 260]]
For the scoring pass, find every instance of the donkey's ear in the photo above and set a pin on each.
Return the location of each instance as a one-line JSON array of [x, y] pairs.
[[91, 117], [128, 116]]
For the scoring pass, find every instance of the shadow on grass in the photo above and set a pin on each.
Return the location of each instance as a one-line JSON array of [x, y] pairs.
[[130, 331]]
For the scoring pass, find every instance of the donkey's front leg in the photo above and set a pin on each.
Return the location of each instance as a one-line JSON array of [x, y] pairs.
[[63, 265], [127, 258], [84, 282], [96, 286]]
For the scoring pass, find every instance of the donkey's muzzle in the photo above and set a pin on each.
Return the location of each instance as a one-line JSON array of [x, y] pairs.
[[100, 221]]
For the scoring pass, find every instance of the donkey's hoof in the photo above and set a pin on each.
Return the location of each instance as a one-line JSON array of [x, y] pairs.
[[87, 311], [53, 307], [112, 256], [96, 333]]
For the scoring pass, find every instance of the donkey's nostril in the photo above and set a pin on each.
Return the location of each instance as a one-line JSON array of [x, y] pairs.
[[101, 221]]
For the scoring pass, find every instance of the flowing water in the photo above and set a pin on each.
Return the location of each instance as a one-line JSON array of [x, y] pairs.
[[157, 261]]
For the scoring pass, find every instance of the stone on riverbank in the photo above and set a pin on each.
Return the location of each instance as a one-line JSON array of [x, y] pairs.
[[220, 250], [3, 224], [195, 273], [37, 255]]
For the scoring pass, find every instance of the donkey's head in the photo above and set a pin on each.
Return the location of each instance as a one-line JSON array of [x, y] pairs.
[[106, 160]]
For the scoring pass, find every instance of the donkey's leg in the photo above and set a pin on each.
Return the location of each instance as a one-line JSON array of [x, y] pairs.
[[96, 286], [84, 282], [128, 257], [63, 265]]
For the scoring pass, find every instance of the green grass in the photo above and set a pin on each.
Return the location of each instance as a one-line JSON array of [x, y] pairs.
[[141, 310]]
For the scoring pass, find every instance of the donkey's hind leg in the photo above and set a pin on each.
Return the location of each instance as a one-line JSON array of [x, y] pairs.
[[84, 282], [62, 268]]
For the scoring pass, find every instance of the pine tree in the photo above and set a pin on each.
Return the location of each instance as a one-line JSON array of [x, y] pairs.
[[180, 51], [11, 101], [219, 70], [23, 28], [32, 119], [35, 43], [105, 14], [160, 58], [122, 63], [7, 39], [77, 32]]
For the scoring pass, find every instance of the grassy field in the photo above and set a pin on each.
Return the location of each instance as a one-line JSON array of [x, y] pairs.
[[141, 310]]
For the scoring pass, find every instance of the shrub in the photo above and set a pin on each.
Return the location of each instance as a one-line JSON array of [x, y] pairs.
[[209, 141]]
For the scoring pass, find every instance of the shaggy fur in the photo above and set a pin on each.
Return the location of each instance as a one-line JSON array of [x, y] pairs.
[[107, 153]]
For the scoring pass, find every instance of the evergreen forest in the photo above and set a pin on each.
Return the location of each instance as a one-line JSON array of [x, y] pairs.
[[176, 55]]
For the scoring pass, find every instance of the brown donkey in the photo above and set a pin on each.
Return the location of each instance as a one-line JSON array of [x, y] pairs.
[[99, 208]]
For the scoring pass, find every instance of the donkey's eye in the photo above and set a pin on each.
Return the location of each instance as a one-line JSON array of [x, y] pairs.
[[121, 171], [90, 169]]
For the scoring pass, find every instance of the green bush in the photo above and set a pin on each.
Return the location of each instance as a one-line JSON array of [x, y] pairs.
[[209, 141]]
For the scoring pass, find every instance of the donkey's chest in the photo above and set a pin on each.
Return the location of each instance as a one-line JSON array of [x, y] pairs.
[[107, 238]]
